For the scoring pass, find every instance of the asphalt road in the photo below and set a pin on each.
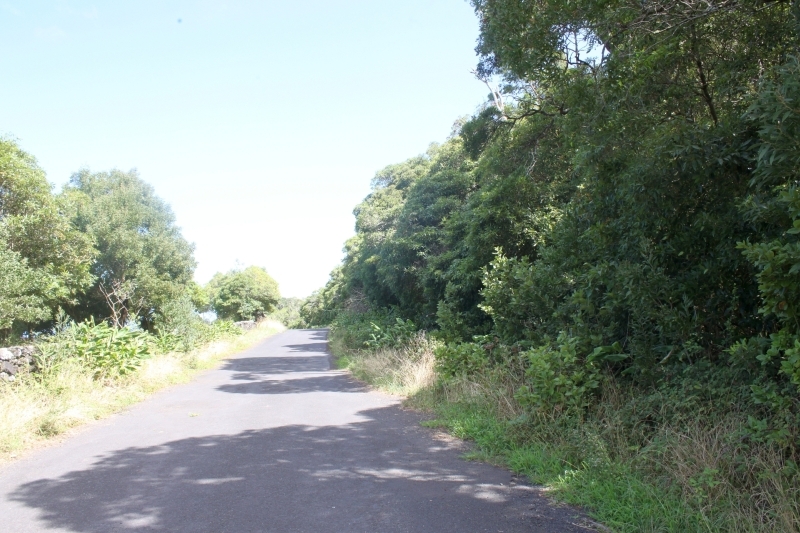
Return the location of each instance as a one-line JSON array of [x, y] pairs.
[[272, 441]]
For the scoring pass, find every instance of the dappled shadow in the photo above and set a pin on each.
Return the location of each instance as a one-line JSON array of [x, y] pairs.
[[317, 334], [312, 347], [298, 374], [347, 478], [250, 367], [298, 385]]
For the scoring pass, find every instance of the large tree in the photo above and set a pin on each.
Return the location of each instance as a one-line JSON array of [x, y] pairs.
[[247, 294], [44, 261], [143, 260]]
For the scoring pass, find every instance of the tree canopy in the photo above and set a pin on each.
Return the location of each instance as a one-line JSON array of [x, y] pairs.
[[143, 261], [44, 260], [628, 189], [247, 294]]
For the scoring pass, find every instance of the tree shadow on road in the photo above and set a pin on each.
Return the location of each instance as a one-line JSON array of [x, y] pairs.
[[356, 477], [313, 347], [255, 366], [300, 385]]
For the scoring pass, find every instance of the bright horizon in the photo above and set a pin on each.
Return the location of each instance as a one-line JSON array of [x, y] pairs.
[[260, 123]]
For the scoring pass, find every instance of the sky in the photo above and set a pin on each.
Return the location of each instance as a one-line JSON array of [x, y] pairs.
[[260, 122]]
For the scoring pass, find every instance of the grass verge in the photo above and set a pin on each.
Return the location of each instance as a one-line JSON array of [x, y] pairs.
[[37, 408], [699, 477]]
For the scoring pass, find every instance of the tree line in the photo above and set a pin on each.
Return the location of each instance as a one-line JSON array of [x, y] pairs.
[[105, 248], [624, 206]]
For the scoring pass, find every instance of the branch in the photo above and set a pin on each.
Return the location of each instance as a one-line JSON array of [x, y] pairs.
[[496, 95]]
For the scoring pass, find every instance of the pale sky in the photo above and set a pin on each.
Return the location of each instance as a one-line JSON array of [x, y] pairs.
[[261, 123]]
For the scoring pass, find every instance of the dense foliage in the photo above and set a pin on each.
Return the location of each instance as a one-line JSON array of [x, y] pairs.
[[624, 206], [102, 274], [143, 261], [44, 260], [247, 294]]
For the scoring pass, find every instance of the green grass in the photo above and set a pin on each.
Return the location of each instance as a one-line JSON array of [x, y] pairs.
[[700, 477], [616, 495]]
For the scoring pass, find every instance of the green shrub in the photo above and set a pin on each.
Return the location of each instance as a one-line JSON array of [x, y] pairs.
[[392, 336], [358, 330], [287, 312], [460, 359], [221, 329], [248, 294], [178, 326], [110, 352], [558, 379]]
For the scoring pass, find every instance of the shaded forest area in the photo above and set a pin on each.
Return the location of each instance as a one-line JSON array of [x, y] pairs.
[[606, 258]]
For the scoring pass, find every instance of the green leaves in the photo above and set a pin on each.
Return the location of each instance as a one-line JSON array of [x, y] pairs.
[[247, 294], [601, 205], [137, 241], [44, 261], [110, 352], [557, 379], [608, 354], [20, 294], [392, 336]]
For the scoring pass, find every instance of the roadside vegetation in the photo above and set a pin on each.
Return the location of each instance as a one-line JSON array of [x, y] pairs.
[[99, 279], [90, 372], [597, 273], [626, 458]]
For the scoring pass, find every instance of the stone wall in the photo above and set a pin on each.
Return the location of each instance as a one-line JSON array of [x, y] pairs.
[[16, 359], [246, 325]]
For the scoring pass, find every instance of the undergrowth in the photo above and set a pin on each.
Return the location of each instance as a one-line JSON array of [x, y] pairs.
[[67, 392], [631, 459]]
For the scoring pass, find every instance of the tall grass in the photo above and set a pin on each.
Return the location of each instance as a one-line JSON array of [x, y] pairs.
[[38, 407], [404, 370], [700, 475]]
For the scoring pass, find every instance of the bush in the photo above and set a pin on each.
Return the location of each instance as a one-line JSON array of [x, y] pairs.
[[287, 312], [557, 379], [392, 336], [357, 330], [178, 327], [460, 359], [247, 294], [110, 352]]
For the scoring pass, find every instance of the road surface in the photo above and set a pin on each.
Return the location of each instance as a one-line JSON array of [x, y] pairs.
[[272, 441]]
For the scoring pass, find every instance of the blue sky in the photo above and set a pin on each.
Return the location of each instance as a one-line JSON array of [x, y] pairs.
[[261, 123]]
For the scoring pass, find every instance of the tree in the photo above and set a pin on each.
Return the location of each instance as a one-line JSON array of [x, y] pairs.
[[143, 260], [20, 299], [600, 190], [247, 294], [44, 261]]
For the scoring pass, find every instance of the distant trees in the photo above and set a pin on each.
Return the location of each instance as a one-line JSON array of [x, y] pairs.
[[106, 248], [247, 294]]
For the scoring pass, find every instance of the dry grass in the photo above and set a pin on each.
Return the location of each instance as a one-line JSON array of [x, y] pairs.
[[403, 371], [717, 469], [701, 476], [37, 408], [493, 388], [730, 482]]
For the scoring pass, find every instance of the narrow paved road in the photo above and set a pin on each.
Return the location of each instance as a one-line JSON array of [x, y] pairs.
[[273, 441]]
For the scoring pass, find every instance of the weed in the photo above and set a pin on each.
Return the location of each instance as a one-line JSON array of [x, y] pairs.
[[622, 459], [65, 393]]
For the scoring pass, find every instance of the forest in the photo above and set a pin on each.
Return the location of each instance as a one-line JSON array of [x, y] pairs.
[[602, 263]]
